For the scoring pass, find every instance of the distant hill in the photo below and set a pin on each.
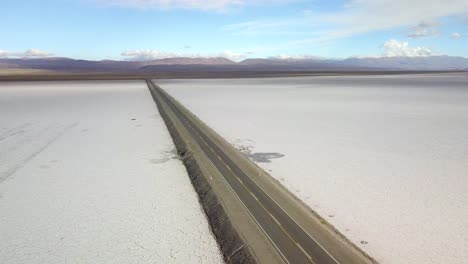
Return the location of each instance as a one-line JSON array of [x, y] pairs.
[[381, 63], [263, 65], [66, 64], [7, 66], [191, 61], [180, 64], [411, 63]]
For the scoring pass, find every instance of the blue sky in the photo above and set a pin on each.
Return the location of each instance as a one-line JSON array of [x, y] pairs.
[[237, 29]]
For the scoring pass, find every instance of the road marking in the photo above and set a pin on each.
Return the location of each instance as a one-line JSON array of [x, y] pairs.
[[271, 215], [284, 230], [223, 176], [297, 244], [303, 251], [248, 211], [274, 218], [240, 180], [212, 150], [253, 195], [227, 166], [292, 219]]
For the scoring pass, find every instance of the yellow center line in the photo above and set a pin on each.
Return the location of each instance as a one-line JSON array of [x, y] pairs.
[[303, 251], [286, 232], [253, 195], [240, 181], [274, 218], [298, 245]]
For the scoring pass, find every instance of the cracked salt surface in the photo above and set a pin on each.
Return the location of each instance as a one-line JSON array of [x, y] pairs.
[[382, 158], [81, 182]]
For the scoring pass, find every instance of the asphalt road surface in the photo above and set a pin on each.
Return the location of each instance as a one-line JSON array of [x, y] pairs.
[[293, 243]]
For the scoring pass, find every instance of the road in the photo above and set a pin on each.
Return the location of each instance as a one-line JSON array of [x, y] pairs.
[[293, 243]]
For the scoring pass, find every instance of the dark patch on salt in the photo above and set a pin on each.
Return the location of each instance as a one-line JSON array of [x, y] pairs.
[[264, 157]]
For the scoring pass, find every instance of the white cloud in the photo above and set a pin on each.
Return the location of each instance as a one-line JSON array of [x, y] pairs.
[[424, 29], [30, 53], [3, 54], [142, 55], [354, 18], [456, 35], [395, 48], [231, 55], [146, 55]]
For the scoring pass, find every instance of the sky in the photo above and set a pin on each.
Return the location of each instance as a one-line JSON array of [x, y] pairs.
[[235, 29]]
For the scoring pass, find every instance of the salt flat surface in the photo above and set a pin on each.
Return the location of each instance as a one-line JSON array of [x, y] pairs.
[[88, 175], [383, 158]]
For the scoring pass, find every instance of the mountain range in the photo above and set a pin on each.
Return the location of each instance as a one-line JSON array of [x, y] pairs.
[[179, 64]]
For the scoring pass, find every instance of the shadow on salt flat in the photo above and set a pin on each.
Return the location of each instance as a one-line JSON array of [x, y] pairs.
[[264, 157], [245, 146]]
